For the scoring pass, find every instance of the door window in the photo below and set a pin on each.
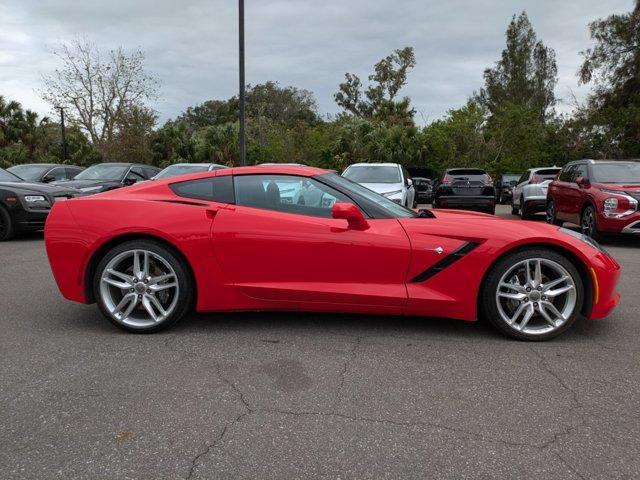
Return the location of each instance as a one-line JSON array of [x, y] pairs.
[[580, 171], [567, 174], [135, 175], [287, 193], [56, 174], [214, 189]]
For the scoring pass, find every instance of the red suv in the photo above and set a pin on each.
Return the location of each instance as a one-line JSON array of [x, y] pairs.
[[600, 196]]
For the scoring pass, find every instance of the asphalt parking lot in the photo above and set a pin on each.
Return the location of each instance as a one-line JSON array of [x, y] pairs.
[[308, 395]]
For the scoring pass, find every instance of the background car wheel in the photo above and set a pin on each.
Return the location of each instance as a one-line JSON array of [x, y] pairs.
[[532, 294], [524, 212], [142, 286], [551, 214], [589, 223], [7, 231], [514, 209]]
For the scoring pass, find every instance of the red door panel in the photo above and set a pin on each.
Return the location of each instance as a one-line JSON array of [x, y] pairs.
[[281, 256]]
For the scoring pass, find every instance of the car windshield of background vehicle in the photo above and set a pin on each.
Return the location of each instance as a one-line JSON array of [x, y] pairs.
[[32, 173], [625, 173], [395, 210], [373, 174], [510, 179], [103, 172], [174, 170], [8, 177]]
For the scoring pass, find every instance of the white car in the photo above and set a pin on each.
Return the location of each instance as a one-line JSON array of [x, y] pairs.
[[530, 194], [388, 179]]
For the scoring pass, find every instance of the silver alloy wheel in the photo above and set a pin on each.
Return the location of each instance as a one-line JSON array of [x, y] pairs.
[[139, 288], [536, 296]]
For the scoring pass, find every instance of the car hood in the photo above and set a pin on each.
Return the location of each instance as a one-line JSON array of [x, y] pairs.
[[39, 188], [99, 185], [635, 188], [383, 187]]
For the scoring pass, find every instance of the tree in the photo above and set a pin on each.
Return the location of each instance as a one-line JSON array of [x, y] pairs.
[[612, 113], [526, 73], [131, 140], [378, 101], [98, 90]]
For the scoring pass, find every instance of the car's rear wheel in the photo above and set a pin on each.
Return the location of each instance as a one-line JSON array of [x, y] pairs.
[[589, 223], [533, 295], [514, 209], [142, 286], [7, 231], [551, 214], [524, 211]]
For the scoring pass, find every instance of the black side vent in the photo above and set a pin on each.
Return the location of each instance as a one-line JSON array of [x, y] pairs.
[[445, 262]]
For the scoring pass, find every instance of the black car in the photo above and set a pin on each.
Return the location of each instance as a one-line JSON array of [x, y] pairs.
[[109, 176], [24, 206], [45, 172], [466, 189], [424, 189], [504, 187]]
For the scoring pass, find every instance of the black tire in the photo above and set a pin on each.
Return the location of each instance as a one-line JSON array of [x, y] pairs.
[[590, 227], [184, 280], [524, 212], [551, 214], [7, 229], [491, 211], [514, 209], [488, 303]]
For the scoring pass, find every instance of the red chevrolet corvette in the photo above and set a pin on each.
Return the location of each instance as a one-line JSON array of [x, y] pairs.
[[300, 238]]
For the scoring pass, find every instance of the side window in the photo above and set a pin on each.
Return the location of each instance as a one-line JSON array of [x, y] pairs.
[[581, 171], [214, 189], [150, 172], [57, 174], [287, 193], [523, 178], [70, 172], [566, 174], [135, 175]]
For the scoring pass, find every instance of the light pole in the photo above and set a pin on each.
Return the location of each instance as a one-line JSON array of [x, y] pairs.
[[62, 131], [242, 158]]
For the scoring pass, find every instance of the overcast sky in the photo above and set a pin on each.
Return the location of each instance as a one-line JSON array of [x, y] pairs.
[[191, 45]]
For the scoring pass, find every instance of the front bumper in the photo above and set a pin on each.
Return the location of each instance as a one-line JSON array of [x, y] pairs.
[[629, 224], [481, 203]]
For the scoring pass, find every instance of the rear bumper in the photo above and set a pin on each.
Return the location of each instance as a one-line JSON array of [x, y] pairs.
[[536, 204], [466, 203]]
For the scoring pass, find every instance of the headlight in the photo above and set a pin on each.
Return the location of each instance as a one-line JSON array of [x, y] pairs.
[[619, 206], [391, 194], [588, 240], [35, 198], [90, 189]]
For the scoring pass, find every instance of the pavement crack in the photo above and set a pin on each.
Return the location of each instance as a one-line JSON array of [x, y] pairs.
[[345, 367]]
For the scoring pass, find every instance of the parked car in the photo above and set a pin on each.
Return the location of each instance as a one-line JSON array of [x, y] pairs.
[[600, 196], [45, 172], [390, 180], [24, 206], [466, 189], [108, 176], [504, 187], [424, 189], [530, 194], [225, 241], [183, 168]]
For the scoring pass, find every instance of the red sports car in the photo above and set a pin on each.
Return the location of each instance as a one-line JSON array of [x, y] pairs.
[[601, 196], [301, 238]]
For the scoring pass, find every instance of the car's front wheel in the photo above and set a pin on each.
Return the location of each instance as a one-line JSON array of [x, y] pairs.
[[6, 225], [533, 294], [589, 223], [142, 286]]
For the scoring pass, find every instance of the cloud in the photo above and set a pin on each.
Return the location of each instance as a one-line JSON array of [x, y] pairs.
[[192, 46]]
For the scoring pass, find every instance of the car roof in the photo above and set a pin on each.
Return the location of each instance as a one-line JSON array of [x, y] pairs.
[[554, 167], [273, 169], [605, 161], [369, 164], [41, 165]]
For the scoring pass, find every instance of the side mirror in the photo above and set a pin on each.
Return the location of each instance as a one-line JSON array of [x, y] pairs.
[[48, 179], [350, 213], [129, 181], [582, 182]]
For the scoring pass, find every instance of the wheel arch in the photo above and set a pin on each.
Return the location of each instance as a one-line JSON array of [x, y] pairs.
[[95, 258], [583, 270]]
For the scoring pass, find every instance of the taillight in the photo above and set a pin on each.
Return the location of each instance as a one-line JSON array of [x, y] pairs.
[[488, 180], [446, 180], [535, 179]]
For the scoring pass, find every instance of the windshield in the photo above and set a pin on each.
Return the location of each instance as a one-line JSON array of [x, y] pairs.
[[173, 170], [373, 174], [395, 210], [32, 173], [103, 171], [8, 177], [624, 173], [510, 179]]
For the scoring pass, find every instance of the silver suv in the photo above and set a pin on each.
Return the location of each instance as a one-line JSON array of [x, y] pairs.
[[530, 194], [388, 179]]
